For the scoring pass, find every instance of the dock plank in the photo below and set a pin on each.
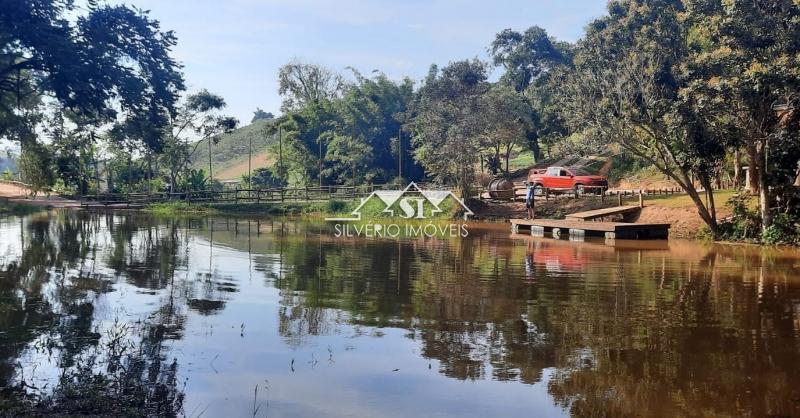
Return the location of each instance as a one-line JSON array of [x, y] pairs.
[[579, 228], [600, 213]]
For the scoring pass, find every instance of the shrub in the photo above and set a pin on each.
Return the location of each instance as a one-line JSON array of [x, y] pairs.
[[785, 229]]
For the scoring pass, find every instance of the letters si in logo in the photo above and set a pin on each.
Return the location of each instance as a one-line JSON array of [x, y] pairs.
[[409, 203]]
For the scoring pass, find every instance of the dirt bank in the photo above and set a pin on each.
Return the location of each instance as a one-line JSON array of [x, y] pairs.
[[677, 211], [12, 190]]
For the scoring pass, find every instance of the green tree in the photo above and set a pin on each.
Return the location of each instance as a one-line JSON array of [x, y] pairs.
[[448, 127], [530, 60], [108, 59], [365, 118], [301, 84], [266, 178], [527, 56], [198, 122], [746, 78], [626, 90], [36, 167], [507, 119], [261, 115]]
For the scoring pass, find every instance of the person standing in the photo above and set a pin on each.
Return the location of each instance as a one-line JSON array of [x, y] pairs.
[[530, 201]]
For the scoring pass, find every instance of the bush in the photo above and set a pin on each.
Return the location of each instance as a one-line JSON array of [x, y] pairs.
[[745, 224], [265, 178], [36, 168], [785, 229]]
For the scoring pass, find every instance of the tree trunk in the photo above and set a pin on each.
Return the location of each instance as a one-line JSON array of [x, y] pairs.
[[149, 172], [763, 188], [684, 179], [173, 180], [797, 174], [709, 191], [508, 156], [737, 169], [96, 178], [707, 217], [753, 167]]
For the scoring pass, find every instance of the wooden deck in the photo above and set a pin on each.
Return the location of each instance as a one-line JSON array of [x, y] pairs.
[[602, 213], [580, 229]]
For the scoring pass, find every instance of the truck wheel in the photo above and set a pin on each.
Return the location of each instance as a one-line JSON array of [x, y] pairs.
[[538, 190], [579, 190]]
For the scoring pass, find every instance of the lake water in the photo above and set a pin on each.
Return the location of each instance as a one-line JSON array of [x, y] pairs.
[[282, 318]]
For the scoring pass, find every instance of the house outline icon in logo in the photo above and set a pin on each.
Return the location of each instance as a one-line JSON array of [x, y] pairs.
[[390, 197]]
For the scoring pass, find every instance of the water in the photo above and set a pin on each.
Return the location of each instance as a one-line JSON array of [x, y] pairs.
[[283, 319]]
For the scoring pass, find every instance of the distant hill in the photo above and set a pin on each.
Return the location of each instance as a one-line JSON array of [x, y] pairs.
[[229, 155]]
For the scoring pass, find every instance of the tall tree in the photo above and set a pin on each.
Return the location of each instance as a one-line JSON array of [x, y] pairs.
[[448, 130], [198, 122], [303, 84], [626, 90], [747, 70], [529, 59], [107, 60], [526, 56], [507, 118]]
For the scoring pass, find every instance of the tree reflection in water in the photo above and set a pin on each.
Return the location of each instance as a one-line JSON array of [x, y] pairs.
[[50, 281], [684, 330]]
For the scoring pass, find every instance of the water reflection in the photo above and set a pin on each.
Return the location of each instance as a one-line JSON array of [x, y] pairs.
[[487, 325]]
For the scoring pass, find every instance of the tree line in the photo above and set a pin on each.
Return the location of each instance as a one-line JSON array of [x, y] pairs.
[[694, 88]]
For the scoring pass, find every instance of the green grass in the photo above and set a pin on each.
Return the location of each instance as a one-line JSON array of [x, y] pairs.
[[522, 160], [233, 147]]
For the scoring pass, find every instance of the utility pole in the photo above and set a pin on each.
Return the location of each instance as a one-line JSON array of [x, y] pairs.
[[280, 154], [210, 174], [250, 162], [319, 141], [400, 155]]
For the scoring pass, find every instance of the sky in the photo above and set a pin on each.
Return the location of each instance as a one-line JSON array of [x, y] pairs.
[[235, 47]]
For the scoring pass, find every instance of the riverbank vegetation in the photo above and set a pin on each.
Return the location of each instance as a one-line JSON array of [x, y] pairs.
[[7, 208], [371, 209], [692, 89], [327, 208]]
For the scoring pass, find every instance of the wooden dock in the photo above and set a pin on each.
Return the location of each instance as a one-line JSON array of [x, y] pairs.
[[591, 215], [577, 229]]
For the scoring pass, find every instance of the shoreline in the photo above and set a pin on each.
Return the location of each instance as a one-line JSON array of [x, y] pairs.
[[686, 223]]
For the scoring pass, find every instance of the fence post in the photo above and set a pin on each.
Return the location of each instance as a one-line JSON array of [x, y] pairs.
[[619, 199], [641, 199]]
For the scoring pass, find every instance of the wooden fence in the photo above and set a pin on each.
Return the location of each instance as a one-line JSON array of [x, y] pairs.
[[599, 192], [283, 194], [325, 193]]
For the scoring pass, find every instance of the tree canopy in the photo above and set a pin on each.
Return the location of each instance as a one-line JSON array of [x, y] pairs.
[[107, 61]]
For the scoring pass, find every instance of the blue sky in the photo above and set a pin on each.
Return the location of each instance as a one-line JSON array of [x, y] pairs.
[[235, 47]]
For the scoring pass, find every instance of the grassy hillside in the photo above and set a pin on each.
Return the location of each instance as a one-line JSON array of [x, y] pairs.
[[229, 155]]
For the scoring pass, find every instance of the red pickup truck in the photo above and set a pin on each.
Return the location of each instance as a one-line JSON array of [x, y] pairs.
[[566, 178]]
